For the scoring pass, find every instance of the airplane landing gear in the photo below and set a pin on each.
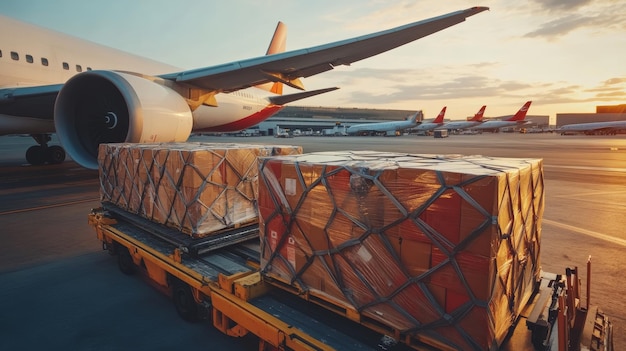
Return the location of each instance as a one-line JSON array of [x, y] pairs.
[[42, 153]]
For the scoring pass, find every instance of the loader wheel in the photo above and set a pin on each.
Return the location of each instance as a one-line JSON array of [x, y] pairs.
[[125, 261], [184, 302]]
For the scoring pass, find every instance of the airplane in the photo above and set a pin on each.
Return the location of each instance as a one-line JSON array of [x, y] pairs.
[[474, 121], [593, 128], [390, 128], [90, 94], [428, 126], [515, 120]]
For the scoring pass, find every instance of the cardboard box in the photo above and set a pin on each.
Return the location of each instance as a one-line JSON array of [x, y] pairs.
[[427, 245], [197, 188]]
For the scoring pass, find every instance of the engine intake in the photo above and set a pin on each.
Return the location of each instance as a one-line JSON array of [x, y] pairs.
[[112, 107]]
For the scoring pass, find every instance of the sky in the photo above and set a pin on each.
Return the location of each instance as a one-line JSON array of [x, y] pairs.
[[567, 56]]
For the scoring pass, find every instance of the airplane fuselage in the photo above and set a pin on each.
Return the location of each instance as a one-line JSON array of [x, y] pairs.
[[427, 126], [494, 125], [383, 127], [38, 57], [380, 127], [459, 125], [594, 126]]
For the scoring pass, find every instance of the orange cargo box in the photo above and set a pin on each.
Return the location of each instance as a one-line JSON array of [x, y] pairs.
[[197, 188], [444, 249]]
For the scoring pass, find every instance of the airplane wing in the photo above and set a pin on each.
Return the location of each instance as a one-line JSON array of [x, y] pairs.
[[284, 67], [35, 101], [287, 67]]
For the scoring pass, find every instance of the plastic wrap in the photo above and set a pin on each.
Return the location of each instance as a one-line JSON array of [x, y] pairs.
[[197, 188], [444, 249]]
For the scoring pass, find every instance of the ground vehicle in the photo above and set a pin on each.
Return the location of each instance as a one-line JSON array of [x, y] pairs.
[[441, 133], [206, 278]]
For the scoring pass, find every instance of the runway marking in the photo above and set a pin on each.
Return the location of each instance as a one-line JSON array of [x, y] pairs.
[[606, 169], [22, 210], [590, 233]]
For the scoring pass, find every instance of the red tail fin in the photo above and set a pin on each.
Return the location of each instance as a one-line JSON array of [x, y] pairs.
[[277, 45], [439, 118], [478, 117], [521, 114]]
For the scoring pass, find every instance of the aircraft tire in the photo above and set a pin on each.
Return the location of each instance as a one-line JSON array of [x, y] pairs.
[[124, 261], [55, 155], [184, 302], [35, 155]]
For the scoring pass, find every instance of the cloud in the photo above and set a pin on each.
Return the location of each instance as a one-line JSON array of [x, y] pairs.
[[561, 26], [578, 94], [560, 5], [418, 85], [599, 15], [610, 90], [611, 96], [399, 87], [613, 81]]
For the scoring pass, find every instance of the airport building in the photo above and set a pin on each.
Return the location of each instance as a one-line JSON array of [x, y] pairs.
[[317, 119], [539, 121]]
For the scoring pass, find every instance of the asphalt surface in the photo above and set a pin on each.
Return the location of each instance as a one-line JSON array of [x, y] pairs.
[[61, 291]]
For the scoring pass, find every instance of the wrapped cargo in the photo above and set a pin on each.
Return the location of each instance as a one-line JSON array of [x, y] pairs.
[[439, 249], [197, 188]]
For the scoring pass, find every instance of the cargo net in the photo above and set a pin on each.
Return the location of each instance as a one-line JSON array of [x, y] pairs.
[[442, 250], [197, 188]]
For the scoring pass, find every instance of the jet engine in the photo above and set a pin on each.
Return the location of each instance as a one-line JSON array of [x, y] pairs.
[[97, 107]]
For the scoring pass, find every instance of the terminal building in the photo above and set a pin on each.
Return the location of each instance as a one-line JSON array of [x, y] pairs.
[[317, 119]]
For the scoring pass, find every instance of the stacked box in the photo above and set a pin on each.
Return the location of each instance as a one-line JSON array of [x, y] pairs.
[[197, 188], [444, 249]]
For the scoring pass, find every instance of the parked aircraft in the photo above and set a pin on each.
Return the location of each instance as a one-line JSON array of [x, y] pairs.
[[437, 122], [389, 128], [96, 94], [516, 120], [474, 121], [594, 128]]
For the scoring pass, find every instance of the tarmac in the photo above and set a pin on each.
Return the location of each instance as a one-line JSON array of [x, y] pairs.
[[61, 291]]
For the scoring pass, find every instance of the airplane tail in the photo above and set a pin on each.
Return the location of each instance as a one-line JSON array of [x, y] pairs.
[[277, 45], [521, 114], [413, 117], [478, 117], [439, 118]]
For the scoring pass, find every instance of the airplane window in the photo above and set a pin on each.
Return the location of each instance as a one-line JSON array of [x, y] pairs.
[[29, 58], [15, 55], [89, 68], [79, 68], [0, 53], [44, 61], [66, 66]]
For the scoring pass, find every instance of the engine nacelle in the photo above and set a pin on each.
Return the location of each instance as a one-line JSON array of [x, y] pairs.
[[97, 107]]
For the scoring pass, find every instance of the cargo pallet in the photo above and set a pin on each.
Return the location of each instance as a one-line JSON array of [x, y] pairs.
[[207, 278]]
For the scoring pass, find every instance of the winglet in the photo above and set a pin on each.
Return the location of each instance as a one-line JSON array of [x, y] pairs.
[[439, 118], [521, 114], [277, 45], [478, 117]]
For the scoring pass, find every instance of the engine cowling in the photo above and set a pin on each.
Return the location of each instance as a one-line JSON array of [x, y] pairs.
[[97, 107]]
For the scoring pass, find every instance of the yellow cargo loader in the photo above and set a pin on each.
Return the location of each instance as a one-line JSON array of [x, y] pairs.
[[218, 278]]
